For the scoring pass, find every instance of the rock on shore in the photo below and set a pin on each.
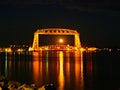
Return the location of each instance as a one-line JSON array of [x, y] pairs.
[[14, 85]]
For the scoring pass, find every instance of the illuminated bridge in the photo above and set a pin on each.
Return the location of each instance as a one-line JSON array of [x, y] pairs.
[[56, 39]]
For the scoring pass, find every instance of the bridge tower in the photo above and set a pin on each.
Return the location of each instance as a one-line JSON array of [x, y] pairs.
[[55, 31]]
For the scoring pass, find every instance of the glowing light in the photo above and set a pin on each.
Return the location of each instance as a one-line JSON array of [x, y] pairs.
[[46, 48], [82, 49], [61, 40], [68, 48], [30, 49], [8, 50], [61, 73], [92, 49], [19, 50]]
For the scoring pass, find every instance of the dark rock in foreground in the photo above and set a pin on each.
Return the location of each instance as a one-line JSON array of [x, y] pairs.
[[47, 87], [14, 85]]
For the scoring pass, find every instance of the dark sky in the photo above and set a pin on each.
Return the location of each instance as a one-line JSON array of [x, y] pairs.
[[98, 22]]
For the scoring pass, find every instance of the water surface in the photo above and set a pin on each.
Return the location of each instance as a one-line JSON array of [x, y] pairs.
[[67, 70]]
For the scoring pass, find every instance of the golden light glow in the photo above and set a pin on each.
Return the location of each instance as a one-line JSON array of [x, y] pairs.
[[37, 67], [61, 40], [82, 49], [30, 49], [61, 73], [8, 50], [79, 69], [92, 48], [56, 31]]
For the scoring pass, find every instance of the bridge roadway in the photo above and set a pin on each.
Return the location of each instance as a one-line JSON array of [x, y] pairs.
[[58, 47]]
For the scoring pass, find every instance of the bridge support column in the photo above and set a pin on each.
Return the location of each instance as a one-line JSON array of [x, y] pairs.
[[77, 41], [35, 45]]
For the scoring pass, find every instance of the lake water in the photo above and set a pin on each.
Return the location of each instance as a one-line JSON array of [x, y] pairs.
[[67, 70]]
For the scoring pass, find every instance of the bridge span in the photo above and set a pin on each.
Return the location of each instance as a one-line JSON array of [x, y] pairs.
[[50, 42]]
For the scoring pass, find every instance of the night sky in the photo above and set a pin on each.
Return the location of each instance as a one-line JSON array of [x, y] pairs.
[[98, 22]]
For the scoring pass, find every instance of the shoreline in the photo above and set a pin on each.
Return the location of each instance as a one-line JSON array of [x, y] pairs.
[[5, 84]]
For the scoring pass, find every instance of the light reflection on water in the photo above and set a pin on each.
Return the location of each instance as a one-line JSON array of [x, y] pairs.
[[62, 68], [67, 70], [61, 72]]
